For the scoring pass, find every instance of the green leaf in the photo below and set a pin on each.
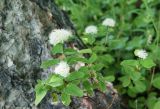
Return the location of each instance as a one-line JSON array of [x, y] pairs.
[[134, 75], [102, 85], [157, 105], [66, 100], [73, 90], [117, 43], [41, 91], [131, 63], [83, 51], [74, 59], [49, 63], [156, 82], [57, 48], [140, 86], [54, 81], [109, 78], [131, 92], [131, 69], [98, 49], [106, 59], [98, 66], [147, 63], [125, 81], [93, 58], [70, 51], [136, 42], [75, 75], [87, 85], [151, 100]]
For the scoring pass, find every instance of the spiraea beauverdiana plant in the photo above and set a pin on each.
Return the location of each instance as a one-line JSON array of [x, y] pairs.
[[59, 36]]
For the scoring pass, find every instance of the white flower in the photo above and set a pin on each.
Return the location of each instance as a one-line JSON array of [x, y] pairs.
[[91, 29], [79, 65], [62, 69], [109, 22], [141, 53], [59, 36]]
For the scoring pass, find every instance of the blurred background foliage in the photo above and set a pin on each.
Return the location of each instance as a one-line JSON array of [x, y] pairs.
[[137, 27]]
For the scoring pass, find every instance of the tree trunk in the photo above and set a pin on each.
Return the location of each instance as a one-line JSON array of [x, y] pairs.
[[24, 29]]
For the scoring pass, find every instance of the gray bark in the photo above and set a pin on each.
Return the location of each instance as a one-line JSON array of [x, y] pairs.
[[24, 29]]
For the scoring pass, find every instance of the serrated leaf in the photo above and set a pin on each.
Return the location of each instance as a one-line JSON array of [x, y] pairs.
[[49, 63], [69, 51], [41, 91], [75, 75], [125, 81], [73, 90], [135, 75], [66, 100], [93, 58], [109, 78], [131, 63], [75, 59], [87, 85], [147, 63], [57, 48], [106, 59], [140, 86], [54, 81], [117, 43], [102, 85]]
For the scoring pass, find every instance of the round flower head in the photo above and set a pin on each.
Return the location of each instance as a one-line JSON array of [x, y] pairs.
[[141, 53], [91, 29], [109, 22], [79, 65], [59, 36], [62, 69]]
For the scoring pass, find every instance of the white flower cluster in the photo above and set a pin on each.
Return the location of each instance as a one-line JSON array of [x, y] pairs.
[[141, 53], [91, 29], [109, 22], [62, 69], [59, 36]]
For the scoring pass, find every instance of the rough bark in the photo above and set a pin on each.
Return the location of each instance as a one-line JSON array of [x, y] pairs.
[[24, 29]]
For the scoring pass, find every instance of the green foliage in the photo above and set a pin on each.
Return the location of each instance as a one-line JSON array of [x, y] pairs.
[[110, 52], [41, 91], [157, 105], [72, 89], [57, 49], [156, 82]]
